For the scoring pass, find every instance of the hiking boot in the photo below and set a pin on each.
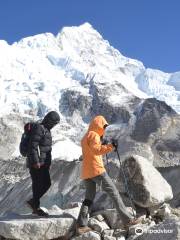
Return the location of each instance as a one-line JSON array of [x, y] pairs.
[[132, 222], [82, 230], [30, 204], [40, 212], [83, 216]]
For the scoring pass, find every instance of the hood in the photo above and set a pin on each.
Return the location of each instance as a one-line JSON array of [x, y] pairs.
[[97, 125], [51, 119]]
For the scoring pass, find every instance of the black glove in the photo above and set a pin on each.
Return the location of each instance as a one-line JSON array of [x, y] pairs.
[[104, 142], [80, 158], [114, 142]]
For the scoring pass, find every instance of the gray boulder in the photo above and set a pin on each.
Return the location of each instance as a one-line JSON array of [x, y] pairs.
[[146, 184], [97, 225], [114, 234], [28, 227], [106, 237], [88, 236]]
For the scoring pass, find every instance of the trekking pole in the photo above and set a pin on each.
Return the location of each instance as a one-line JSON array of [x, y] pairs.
[[126, 184]]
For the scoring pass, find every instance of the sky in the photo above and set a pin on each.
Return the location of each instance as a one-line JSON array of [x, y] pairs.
[[146, 30]]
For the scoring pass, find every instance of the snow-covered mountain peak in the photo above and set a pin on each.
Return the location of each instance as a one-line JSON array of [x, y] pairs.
[[82, 32], [83, 41], [35, 71]]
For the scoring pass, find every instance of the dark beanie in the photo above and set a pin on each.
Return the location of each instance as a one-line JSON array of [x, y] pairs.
[[51, 119]]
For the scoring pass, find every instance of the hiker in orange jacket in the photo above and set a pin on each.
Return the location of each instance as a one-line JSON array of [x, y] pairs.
[[92, 149], [93, 172]]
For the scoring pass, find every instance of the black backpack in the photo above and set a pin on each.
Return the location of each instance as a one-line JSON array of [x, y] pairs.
[[25, 138]]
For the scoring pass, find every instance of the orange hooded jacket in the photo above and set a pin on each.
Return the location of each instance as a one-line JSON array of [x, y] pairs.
[[92, 149]]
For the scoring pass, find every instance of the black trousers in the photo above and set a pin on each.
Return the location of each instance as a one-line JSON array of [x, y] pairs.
[[41, 182]]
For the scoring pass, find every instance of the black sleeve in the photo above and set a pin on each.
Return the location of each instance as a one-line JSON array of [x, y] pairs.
[[36, 136], [49, 157]]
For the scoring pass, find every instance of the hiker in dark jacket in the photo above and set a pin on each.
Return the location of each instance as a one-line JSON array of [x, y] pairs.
[[39, 160]]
